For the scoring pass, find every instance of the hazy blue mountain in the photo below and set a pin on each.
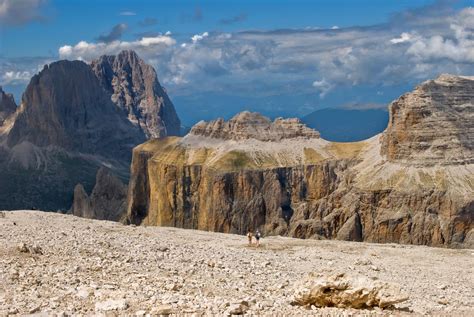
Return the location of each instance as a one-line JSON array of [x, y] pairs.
[[347, 125]]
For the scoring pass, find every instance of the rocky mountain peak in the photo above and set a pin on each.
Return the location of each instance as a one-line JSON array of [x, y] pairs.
[[433, 124], [135, 89], [65, 106], [250, 125], [7, 105]]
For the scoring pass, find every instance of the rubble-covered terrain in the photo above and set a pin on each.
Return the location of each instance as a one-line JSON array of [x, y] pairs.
[[54, 263]]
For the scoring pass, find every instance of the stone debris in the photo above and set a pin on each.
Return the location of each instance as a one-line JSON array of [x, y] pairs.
[[163, 310], [344, 291], [108, 305], [107, 269], [33, 249]]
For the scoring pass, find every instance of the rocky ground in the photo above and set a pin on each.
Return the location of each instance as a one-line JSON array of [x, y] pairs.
[[52, 263]]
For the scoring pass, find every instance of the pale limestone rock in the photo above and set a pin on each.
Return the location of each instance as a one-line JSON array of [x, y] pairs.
[[344, 291], [251, 173], [111, 304], [434, 124], [164, 309], [248, 125]]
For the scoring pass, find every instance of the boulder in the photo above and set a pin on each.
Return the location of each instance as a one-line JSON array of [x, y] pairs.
[[345, 291]]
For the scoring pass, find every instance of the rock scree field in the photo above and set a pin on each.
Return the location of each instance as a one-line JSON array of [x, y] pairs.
[[54, 264]]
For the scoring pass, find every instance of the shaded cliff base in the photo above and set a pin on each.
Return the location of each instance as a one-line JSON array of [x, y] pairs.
[[92, 267]]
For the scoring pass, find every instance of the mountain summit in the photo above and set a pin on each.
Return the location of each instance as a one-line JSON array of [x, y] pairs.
[[135, 89], [73, 119]]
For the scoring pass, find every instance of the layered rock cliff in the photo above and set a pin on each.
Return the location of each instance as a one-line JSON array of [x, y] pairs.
[[248, 173], [135, 89]]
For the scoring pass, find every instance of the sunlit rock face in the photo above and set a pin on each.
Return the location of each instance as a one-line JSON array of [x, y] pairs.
[[434, 124], [247, 125], [250, 173], [135, 89]]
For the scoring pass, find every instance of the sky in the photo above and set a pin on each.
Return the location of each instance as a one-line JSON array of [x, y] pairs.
[[281, 58]]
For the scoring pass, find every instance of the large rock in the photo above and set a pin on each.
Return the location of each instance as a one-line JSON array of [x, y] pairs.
[[344, 291], [135, 89], [251, 173], [107, 200]]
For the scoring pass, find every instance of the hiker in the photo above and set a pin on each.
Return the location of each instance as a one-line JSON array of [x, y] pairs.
[[257, 237], [249, 236]]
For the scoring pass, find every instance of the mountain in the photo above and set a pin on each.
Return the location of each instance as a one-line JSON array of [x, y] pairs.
[[413, 183], [347, 125], [135, 89], [64, 106], [70, 124]]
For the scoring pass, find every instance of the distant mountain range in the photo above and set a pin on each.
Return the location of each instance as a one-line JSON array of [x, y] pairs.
[[347, 125]]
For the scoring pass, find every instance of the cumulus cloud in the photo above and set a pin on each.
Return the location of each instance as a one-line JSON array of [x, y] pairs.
[[114, 34], [198, 37], [306, 61], [323, 87], [88, 51], [457, 46], [18, 12], [404, 37], [12, 77]]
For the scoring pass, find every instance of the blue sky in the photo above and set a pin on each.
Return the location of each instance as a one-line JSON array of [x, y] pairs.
[[277, 57]]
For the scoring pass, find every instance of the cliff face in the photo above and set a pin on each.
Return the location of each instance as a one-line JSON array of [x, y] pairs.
[[135, 89], [244, 174], [434, 124], [107, 200]]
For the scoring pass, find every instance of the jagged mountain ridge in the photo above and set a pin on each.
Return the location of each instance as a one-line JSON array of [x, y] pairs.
[[135, 89], [69, 125], [227, 180], [65, 106]]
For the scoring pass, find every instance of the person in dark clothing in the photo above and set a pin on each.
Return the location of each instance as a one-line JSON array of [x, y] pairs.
[[257, 237]]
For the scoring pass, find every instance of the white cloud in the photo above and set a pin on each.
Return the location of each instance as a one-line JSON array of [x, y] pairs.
[[306, 60], [12, 77], [404, 37], [457, 46], [323, 87], [198, 37], [88, 51]]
